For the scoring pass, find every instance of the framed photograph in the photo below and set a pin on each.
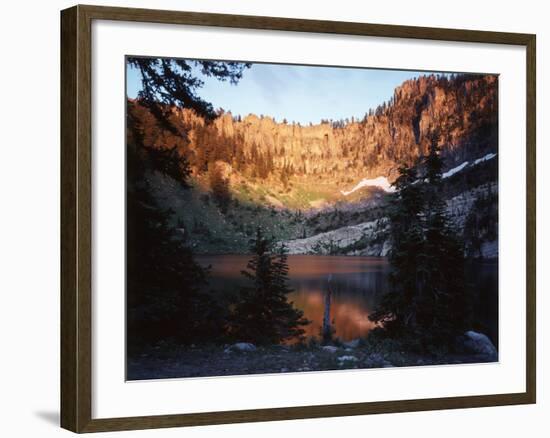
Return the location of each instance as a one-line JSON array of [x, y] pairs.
[[268, 219]]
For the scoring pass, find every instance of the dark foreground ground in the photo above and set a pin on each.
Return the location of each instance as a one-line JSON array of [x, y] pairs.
[[168, 361]]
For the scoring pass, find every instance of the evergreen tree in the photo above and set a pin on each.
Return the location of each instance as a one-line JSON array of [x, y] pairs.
[[286, 174], [445, 300], [220, 187], [166, 295], [263, 313], [166, 150], [398, 308], [428, 297], [163, 280], [169, 82]]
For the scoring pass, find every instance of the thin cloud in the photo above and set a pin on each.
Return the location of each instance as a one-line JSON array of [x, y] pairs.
[[301, 93]]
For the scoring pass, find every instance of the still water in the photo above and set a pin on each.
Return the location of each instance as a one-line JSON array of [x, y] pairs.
[[357, 283]]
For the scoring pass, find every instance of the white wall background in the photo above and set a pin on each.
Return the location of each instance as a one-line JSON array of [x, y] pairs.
[[29, 216]]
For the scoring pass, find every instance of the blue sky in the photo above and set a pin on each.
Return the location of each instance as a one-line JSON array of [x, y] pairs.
[[298, 93]]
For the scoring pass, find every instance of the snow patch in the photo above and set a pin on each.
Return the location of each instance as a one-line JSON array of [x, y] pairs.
[[454, 170], [458, 168], [381, 182], [485, 158]]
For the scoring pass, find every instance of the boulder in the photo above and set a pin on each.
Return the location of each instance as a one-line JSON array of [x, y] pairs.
[[347, 358], [241, 346], [385, 248], [478, 343], [352, 344], [376, 360], [489, 250]]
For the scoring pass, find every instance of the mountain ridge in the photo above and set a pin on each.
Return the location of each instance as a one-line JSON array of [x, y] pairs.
[[297, 182], [463, 110]]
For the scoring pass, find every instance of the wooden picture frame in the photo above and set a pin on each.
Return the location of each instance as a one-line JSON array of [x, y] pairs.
[[76, 217]]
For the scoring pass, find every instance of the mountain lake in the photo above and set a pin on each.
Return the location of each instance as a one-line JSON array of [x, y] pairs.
[[357, 283]]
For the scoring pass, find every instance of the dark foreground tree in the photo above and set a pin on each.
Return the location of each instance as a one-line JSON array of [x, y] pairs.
[[163, 280], [445, 302], [165, 285], [427, 298], [166, 150], [167, 82], [263, 313], [397, 311]]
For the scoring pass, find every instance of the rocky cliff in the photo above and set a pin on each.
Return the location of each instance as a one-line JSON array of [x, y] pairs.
[[463, 109], [372, 239], [322, 188]]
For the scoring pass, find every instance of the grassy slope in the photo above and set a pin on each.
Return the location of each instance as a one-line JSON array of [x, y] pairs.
[[303, 209]]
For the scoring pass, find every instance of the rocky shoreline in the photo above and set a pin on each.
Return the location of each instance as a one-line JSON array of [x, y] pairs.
[[168, 361], [371, 238]]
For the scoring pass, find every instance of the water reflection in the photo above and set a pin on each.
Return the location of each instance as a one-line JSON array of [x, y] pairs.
[[357, 283]]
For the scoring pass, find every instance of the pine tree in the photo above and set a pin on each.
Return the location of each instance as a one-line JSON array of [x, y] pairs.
[[167, 82], [220, 187], [398, 309], [263, 313], [428, 298], [445, 300], [165, 285], [163, 280]]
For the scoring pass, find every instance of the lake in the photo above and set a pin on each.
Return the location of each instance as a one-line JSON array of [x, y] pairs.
[[357, 283]]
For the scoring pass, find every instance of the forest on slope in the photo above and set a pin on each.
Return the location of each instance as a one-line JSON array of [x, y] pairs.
[[299, 182]]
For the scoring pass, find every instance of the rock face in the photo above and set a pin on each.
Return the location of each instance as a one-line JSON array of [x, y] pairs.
[[478, 343], [463, 108], [460, 205], [322, 189], [341, 240], [371, 238]]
